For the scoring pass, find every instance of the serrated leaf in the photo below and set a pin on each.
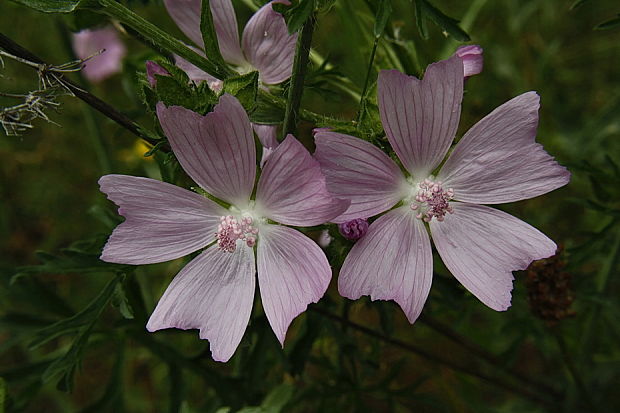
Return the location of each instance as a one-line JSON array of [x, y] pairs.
[[609, 24], [57, 6], [266, 113], [383, 15], [209, 37], [446, 23], [87, 316], [173, 93], [244, 88], [66, 365]]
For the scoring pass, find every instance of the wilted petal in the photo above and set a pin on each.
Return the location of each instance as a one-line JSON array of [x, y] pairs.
[[186, 14], [292, 190], [420, 117], [152, 69], [88, 42], [393, 261], [481, 246], [472, 59], [498, 160], [268, 136], [292, 273], [358, 171], [268, 46], [213, 293], [162, 221], [217, 150]]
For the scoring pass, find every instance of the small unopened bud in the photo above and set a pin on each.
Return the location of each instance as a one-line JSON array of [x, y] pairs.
[[472, 59], [354, 229]]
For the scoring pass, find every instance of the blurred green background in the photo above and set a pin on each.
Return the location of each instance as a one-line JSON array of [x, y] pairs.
[[50, 199]]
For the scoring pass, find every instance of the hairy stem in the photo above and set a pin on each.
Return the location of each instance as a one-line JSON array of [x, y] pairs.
[[162, 39], [300, 65]]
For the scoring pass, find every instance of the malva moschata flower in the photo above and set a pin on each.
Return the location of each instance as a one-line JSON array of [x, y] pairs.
[[215, 291], [496, 161]]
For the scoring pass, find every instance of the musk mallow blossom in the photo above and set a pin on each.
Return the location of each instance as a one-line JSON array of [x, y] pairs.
[[88, 42], [215, 291], [266, 45], [496, 161]]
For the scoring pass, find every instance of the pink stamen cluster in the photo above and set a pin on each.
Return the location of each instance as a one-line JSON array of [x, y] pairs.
[[231, 229], [432, 201]]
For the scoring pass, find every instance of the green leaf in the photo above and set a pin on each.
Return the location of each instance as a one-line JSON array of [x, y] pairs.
[[420, 21], [120, 301], [277, 398], [209, 37], [578, 3], [424, 9], [66, 365], [266, 112], [244, 88], [87, 316], [383, 15], [57, 6], [609, 24], [173, 93]]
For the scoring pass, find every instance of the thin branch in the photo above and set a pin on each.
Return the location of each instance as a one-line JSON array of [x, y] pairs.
[[17, 50]]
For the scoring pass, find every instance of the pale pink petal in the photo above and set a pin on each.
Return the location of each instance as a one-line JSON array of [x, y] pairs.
[[88, 42], [292, 190], [268, 46], [292, 273], [268, 136], [198, 75], [162, 221], [393, 261], [217, 150], [186, 14], [213, 293], [498, 160], [227, 31], [481, 246], [420, 117], [360, 172], [152, 69], [472, 59]]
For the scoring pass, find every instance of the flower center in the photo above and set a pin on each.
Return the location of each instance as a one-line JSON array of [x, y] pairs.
[[232, 229], [431, 200]]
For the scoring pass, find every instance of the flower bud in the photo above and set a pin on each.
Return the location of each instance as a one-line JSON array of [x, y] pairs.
[[472, 59], [354, 229]]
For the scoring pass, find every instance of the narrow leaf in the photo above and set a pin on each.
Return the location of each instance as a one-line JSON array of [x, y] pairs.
[[383, 15], [446, 23], [209, 36], [609, 24], [244, 88]]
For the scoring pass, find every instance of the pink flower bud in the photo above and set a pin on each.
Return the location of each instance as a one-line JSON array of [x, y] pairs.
[[472, 59], [354, 229]]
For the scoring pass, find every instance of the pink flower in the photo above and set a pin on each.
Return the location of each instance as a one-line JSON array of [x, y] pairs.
[[266, 45], [152, 69], [496, 161], [215, 291], [88, 42], [472, 59]]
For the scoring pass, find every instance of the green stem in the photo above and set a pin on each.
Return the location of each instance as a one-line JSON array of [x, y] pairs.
[[162, 39], [367, 80], [300, 65]]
